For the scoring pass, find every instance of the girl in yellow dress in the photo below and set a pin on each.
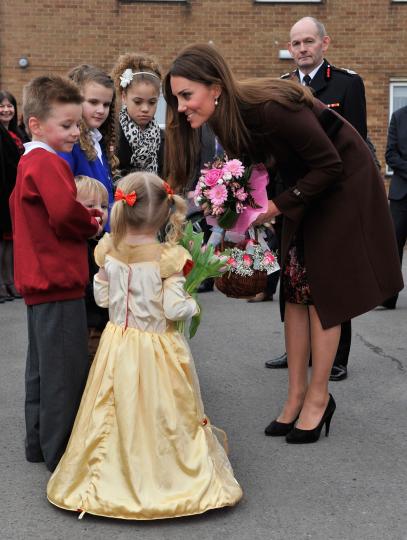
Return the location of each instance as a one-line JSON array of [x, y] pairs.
[[141, 446]]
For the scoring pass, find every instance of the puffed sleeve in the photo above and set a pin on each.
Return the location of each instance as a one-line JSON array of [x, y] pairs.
[[178, 305], [101, 292], [102, 249], [173, 259]]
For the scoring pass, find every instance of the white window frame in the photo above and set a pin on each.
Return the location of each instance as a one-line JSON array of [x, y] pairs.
[[394, 83], [153, 1], [290, 1], [161, 111]]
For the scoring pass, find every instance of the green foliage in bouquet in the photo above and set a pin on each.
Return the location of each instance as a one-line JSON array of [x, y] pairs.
[[206, 265]]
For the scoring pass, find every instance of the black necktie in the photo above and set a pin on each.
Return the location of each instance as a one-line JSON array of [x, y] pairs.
[[306, 80]]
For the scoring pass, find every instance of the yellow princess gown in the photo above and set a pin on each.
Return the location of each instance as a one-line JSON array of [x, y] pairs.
[[142, 447]]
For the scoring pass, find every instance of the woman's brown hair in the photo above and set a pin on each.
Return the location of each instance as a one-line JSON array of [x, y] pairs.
[[204, 64], [81, 75]]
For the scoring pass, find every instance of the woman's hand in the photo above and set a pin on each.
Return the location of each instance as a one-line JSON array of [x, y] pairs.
[[267, 217]]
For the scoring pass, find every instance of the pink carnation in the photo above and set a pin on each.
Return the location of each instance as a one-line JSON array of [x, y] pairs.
[[217, 210], [231, 262], [218, 194], [212, 176], [268, 258], [235, 167], [247, 260]]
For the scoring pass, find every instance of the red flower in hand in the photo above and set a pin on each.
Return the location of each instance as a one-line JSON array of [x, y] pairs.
[[188, 267]]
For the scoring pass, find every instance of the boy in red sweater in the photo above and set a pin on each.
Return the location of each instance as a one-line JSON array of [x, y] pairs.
[[50, 229]]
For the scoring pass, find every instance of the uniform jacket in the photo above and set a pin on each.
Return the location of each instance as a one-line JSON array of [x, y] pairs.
[[342, 90], [336, 198], [396, 154]]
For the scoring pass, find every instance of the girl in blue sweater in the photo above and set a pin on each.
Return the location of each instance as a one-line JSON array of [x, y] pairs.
[[93, 155]]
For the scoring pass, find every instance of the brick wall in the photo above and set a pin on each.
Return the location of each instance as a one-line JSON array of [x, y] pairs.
[[368, 36]]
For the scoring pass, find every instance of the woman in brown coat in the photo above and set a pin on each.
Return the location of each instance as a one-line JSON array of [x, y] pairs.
[[337, 231]]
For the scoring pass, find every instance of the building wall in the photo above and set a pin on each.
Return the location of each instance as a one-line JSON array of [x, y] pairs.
[[368, 36]]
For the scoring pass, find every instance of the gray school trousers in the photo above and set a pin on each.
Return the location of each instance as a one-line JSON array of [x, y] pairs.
[[55, 377]]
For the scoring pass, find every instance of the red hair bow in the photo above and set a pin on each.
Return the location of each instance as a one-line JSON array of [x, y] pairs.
[[168, 189], [129, 199]]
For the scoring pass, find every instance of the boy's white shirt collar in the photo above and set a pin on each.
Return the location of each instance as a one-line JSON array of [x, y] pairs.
[[32, 145]]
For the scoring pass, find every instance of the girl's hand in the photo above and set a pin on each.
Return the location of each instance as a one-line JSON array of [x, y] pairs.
[[267, 217]]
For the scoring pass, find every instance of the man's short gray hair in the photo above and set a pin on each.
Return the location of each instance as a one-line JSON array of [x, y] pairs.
[[318, 24]]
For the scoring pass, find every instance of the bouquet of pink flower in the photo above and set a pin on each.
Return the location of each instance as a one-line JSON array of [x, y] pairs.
[[224, 188]]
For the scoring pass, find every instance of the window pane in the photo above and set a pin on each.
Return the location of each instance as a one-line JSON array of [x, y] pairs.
[[399, 96], [160, 113], [287, 1]]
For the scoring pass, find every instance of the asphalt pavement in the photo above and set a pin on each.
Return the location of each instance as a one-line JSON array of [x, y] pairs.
[[349, 486]]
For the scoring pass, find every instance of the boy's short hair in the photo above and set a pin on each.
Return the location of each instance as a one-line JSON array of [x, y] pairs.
[[85, 185], [41, 93]]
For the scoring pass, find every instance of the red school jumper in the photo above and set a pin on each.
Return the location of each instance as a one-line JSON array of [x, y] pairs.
[[50, 228]]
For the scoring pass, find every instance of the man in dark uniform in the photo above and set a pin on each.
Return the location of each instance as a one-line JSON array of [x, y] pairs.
[[396, 158], [343, 91]]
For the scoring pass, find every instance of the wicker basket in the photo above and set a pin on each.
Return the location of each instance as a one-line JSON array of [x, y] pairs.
[[236, 286]]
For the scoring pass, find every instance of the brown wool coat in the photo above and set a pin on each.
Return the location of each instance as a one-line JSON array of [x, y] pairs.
[[336, 195]]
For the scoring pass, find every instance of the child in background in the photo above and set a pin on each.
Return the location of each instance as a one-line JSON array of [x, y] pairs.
[[141, 141], [142, 447], [50, 228], [93, 194], [93, 154]]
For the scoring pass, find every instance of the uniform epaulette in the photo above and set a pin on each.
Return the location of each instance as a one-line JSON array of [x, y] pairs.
[[289, 74], [344, 70]]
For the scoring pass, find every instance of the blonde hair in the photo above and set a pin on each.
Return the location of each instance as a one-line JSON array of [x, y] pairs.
[[81, 75], [85, 185], [137, 62], [154, 208]]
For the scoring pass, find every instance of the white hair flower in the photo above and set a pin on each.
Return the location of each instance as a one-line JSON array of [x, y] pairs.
[[126, 78]]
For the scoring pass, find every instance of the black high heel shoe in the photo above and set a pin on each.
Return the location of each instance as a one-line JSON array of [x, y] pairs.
[[279, 429], [304, 436]]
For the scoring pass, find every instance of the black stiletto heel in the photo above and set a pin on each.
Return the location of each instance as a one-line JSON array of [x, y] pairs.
[[304, 436], [279, 429]]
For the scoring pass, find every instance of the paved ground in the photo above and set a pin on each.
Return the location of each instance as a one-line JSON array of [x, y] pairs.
[[351, 486]]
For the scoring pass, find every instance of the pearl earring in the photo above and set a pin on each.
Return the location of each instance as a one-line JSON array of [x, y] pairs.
[[216, 102]]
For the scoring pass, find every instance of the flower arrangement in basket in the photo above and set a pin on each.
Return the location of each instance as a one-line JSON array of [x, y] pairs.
[[247, 268], [224, 187]]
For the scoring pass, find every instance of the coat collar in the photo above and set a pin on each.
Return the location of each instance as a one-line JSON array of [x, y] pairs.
[[320, 80]]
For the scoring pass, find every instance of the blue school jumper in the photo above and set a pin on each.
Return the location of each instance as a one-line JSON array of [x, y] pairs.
[[100, 170]]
